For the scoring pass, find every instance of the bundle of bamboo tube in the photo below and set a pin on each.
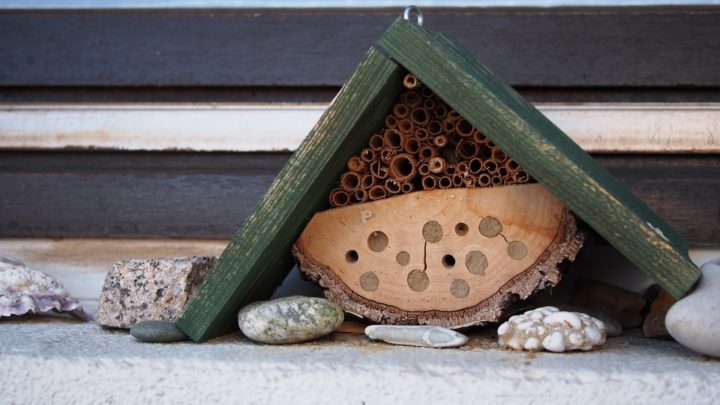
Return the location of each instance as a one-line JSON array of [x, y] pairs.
[[424, 144]]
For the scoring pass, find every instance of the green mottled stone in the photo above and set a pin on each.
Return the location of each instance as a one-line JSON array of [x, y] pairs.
[[157, 332], [289, 320]]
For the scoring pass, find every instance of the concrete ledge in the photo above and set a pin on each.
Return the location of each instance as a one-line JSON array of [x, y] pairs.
[[53, 360]]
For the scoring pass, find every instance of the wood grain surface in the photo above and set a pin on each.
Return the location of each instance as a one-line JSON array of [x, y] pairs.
[[584, 47], [203, 195]]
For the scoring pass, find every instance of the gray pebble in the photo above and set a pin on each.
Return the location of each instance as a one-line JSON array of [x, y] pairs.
[[423, 336], [157, 332], [289, 320]]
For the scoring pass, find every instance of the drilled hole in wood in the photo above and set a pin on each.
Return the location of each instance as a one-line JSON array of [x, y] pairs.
[[459, 288], [351, 256], [377, 241], [490, 227], [369, 281], [461, 229], [476, 262], [448, 261], [418, 281], [432, 231], [403, 258], [517, 250]]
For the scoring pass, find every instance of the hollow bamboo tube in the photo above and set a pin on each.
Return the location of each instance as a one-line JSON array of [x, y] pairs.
[[420, 116], [401, 110], [360, 196], [499, 156], [448, 126], [470, 181], [496, 180], [429, 182], [421, 134], [423, 169], [429, 104], [378, 170], [445, 182], [410, 81], [457, 180], [475, 165], [479, 137], [483, 180], [413, 99], [440, 141], [450, 169], [490, 166], [464, 128], [511, 165], [502, 171], [440, 111], [356, 164], [339, 198], [427, 152], [391, 121], [452, 116], [407, 187], [392, 186], [386, 154], [463, 168], [405, 126], [521, 176], [466, 149], [426, 92], [437, 165], [377, 192], [403, 166], [367, 181], [393, 139], [412, 146], [350, 181], [435, 127], [367, 155], [377, 142], [484, 152]]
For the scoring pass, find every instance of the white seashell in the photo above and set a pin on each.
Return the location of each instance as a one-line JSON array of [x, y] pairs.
[[558, 331], [424, 336], [24, 290]]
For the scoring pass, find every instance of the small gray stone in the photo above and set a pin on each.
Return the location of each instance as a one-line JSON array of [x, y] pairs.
[[694, 321], [289, 320], [423, 336], [138, 290], [157, 332]]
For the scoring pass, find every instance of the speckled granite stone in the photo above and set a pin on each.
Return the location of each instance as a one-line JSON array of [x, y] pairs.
[[155, 289], [289, 320]]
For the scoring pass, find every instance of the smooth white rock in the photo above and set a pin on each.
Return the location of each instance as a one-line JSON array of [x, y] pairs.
[[694, 321], [558, 331], [423, 336]]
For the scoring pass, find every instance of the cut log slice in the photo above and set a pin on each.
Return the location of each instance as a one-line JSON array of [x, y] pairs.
[[453, 258]]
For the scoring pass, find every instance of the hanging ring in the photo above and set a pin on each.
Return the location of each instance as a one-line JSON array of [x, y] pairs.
[[409, 10]]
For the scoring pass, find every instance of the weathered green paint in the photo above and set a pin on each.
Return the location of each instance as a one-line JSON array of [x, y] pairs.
[[544, 151], [258, 257]]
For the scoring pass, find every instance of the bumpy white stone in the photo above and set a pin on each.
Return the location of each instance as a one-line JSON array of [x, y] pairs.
[[24, 290], [694, 321], [423, 336], [551, 329]]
